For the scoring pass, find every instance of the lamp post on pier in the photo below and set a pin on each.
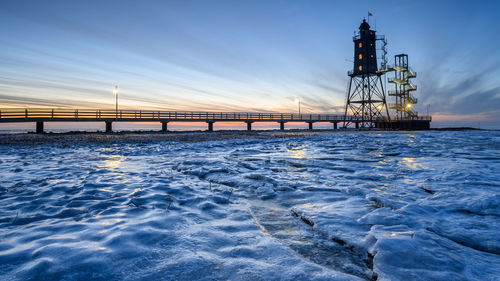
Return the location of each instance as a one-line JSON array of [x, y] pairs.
[[115, 92], [297, 100]]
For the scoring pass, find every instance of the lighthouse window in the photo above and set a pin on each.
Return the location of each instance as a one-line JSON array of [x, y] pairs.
[[360, 68], [360, 56], [371, 44], [371, 56], [360, 45]]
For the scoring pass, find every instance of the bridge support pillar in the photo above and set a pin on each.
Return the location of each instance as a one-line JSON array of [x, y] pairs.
[[164, 127], [109, 126], [335, 125], [249, 126], [39, 127], [210, 126], [282, 126], [357, 125], [310, 125]]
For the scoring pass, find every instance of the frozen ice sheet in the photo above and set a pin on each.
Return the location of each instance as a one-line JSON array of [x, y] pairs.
[[259, 206]]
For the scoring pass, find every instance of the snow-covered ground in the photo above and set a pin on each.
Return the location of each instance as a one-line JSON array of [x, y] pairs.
[[259, 206]]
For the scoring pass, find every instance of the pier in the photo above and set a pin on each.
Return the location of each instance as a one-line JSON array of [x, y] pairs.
[[40, 116]]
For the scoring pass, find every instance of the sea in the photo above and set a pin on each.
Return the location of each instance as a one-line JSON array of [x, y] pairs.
[[262, 205]]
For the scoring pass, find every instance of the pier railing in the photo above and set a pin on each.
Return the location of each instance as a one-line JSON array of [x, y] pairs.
[[138, 115], [410, 118]]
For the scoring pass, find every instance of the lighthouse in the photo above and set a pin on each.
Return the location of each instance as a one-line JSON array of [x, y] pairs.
[[366, 99]]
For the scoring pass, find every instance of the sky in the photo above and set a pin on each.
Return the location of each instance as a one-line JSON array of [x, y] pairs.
[[243, 55]]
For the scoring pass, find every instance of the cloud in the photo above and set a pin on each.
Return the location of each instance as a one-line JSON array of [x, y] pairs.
[[40, 102], [455, 93], [480, 101]]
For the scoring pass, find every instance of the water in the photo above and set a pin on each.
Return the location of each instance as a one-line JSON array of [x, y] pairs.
[[259, 206]]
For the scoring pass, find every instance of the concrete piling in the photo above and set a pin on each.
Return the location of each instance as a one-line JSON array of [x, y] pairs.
[[39, 127], [109, 126], [164, 127]]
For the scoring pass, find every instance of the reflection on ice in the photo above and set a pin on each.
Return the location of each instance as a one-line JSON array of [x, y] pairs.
[[113, 161], [410, 163], [399, 233], [298, 152]]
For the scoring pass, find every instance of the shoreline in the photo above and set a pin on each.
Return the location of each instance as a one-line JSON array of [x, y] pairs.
[[241, 131], [82, 137]]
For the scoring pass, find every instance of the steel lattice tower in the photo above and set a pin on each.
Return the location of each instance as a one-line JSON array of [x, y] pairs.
[[366, 94]]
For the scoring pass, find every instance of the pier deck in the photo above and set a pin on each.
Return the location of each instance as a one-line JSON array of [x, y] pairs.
[[39, 116]]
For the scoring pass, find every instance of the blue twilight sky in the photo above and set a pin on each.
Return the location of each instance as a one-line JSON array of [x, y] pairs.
[[242, 55]]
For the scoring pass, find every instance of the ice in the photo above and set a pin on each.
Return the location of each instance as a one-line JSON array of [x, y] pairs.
[[258, 206]]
